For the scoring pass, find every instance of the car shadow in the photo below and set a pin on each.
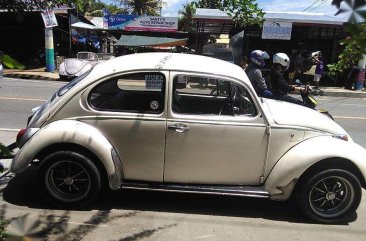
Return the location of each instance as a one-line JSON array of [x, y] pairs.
[[23, 190]]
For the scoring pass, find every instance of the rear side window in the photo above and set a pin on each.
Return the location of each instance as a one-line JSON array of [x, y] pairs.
[[136, 93]]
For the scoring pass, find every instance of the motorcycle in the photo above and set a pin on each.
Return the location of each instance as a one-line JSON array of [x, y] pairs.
[[309, 101]]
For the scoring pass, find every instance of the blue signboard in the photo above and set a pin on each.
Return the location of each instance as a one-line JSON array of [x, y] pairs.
[[118, 21]]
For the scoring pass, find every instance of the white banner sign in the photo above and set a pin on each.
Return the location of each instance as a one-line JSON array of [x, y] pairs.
[[162, 24], [49, 19], [277, 30]]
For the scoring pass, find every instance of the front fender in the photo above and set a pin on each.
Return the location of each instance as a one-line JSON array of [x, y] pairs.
[[71, 131], [281, 180]]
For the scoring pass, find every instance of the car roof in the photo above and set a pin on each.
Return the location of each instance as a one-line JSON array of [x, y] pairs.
[[171, 62]]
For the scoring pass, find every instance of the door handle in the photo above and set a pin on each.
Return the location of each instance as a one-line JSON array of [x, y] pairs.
[[180, 128]]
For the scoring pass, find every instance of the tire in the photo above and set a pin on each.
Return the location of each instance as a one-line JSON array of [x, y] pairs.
[[69, 179], [329, 196]]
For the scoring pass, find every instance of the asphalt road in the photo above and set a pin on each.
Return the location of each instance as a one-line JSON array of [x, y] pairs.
[[136, 215]]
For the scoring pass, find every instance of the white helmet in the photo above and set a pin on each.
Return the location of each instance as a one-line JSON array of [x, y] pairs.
[[282, 59]]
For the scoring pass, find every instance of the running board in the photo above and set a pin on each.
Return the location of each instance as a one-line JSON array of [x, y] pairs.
[[245, 191]]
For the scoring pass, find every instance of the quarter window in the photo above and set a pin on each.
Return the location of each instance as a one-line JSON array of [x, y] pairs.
[[138, 93], [210, 96]]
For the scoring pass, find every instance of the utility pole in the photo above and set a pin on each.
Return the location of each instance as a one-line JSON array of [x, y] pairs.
[[50, 52]]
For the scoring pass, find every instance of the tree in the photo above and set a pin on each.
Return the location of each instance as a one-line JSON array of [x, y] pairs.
[[243, 12], [95, 8], [354, 48], [186, 16], [355, 43], [87, 7], [22, 6], [143, 7]]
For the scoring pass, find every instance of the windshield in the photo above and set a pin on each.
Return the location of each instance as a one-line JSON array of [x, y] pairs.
[[69, 86]]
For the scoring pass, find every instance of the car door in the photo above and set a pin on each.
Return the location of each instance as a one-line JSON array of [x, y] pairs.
[[129, 109], [215, 132]]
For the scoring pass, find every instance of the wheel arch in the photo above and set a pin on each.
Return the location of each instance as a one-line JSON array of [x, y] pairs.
[[333, 163], [71, 134], [309, 155]]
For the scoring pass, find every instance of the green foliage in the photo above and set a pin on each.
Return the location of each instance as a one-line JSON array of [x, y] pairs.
[[354, 48], [87, 7], [143, 7], [185, 17], [20, 6], [243, 12], [2, 231]]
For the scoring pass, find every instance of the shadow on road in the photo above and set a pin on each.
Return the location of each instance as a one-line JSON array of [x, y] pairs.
[[23, 190], [48, 225]]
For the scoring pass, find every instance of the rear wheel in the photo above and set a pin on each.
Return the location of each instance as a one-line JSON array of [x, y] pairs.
[[329, 196], [69, 179]]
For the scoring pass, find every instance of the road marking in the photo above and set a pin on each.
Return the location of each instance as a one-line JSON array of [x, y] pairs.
[[12, 130], [27, 99], [350, 117], [354, 105]]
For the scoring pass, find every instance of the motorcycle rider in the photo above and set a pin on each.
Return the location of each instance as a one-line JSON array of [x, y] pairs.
[[254, 73], [280, 87]]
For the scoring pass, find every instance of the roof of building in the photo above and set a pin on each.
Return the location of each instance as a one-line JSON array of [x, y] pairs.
[[207, 13], [137, 40], [302, 17]]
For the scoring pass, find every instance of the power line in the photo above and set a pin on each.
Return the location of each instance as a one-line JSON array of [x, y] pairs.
[[324, 1], [311, 5]]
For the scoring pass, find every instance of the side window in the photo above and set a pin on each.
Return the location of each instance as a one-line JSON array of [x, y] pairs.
[[210, 96], [137, 93]]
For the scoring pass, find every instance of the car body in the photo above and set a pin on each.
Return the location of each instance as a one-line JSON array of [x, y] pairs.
[[188, 123], [74, 67], [1, 70]]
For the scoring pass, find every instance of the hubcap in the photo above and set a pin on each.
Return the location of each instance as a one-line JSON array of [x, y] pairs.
[[67, 181], [331, 196]]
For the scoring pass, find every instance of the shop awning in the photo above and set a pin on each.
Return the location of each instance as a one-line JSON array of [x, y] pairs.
[[136, 40], [82, 25]]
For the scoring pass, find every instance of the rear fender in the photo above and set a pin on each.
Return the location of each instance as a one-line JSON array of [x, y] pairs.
[[282, 179], [72, 132]]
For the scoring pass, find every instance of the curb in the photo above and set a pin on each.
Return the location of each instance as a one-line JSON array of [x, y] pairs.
[[355, 94], [30, 76]]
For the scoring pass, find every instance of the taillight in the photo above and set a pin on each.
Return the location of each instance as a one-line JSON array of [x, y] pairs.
[[21, 134]]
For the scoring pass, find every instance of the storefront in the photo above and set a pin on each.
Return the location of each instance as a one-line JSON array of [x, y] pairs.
[[293, 32]]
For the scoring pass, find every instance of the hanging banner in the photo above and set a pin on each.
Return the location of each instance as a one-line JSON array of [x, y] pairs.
[[138, 23], [49, 19], [277, 30]]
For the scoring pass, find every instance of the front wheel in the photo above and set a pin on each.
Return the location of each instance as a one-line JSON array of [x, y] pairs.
[[329, 196], [69, 179]]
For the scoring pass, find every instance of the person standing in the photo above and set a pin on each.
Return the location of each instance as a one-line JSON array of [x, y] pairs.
[[280, 87], [318, 70], [254, 73]]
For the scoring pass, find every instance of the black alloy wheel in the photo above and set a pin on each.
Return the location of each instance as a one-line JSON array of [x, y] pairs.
[[330, 196], [69, 179]]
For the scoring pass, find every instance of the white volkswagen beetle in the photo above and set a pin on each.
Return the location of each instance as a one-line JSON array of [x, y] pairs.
[[187, 123]]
